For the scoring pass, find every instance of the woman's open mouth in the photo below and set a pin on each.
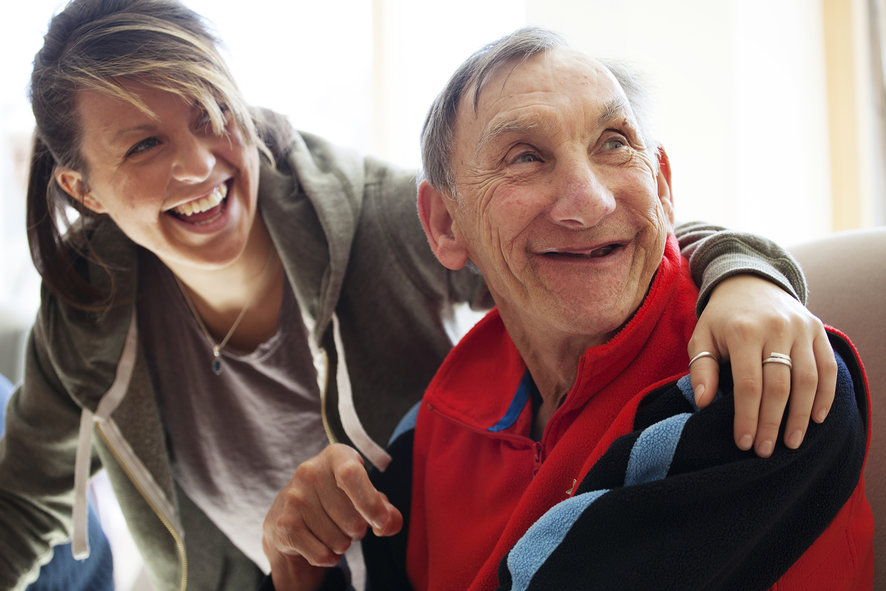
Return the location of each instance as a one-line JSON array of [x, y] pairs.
[[204, 209]]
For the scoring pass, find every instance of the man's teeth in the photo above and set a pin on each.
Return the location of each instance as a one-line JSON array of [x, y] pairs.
[[216, 196], [597, 252]]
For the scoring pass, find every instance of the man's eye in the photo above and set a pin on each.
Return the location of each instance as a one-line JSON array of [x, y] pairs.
[[143, 146], [525, 157], [614, 143]]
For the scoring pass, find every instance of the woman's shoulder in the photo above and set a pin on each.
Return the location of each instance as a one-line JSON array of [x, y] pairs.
[[110, 265]]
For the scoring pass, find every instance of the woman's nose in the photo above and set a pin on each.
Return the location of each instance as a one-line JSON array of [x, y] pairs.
[[194, 159]]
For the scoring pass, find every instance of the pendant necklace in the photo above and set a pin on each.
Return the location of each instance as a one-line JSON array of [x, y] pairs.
[[217, 347]]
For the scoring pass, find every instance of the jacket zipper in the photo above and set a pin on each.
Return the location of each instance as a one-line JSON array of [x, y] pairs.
[[321, 364], [179, 543], [537, 458]]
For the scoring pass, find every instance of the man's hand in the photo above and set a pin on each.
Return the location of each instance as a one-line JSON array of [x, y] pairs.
[[329, 503], [747, 320]]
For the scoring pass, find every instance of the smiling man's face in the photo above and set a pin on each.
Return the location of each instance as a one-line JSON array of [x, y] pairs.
[[559, 203]]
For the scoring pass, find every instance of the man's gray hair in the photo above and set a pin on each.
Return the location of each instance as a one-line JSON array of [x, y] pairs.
[[438, 133]]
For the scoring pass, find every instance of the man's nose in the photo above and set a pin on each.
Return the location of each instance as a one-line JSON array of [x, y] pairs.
[[194, 158], [582, 198]]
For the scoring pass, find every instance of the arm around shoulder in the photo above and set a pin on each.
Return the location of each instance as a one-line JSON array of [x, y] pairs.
[[716, 253], [393, 207], [700, 513]]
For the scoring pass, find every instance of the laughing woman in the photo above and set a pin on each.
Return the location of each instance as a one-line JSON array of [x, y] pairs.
[[223, 295]]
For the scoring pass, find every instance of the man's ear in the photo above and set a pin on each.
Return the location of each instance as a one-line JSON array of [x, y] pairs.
[[73, 184], [664, 184], [439, 226]]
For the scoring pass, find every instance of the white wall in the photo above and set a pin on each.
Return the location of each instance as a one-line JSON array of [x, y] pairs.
[[740, 97], [739, 86]]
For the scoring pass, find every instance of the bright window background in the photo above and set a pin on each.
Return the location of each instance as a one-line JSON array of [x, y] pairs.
[[739, 87]]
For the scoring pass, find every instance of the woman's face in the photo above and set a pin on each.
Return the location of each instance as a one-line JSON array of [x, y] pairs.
[[170, 183]]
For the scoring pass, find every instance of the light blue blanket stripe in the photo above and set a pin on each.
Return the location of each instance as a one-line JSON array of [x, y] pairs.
[[540, 540], [686, 389], [650, 459], [654, 449]]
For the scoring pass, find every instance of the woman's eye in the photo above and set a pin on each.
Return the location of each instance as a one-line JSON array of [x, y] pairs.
[[204, 122], [143, 146]]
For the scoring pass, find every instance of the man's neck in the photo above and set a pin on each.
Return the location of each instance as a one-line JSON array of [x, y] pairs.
[[553, 365]]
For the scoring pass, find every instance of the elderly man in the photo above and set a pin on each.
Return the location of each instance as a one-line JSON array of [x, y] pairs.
[[558, 446]]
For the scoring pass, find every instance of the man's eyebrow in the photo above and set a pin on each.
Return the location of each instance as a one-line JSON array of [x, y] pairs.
[[615, 108], [503, 127]]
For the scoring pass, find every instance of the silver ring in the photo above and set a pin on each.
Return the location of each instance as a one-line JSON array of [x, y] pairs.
[[700, 355], [779, 358]]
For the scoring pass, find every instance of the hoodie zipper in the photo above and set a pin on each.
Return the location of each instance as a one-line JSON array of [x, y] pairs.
[[149, 499], [321, 364]]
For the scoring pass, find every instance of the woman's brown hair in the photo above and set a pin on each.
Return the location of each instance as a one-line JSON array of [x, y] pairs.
[[97, 45]]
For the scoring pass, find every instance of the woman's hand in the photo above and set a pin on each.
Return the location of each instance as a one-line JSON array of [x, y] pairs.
[[329, 503], [746, 320]]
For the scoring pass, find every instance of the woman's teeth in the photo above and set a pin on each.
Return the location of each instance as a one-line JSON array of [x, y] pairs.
[[216, 196]]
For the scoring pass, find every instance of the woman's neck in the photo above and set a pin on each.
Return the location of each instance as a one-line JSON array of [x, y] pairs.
[[251, 285]]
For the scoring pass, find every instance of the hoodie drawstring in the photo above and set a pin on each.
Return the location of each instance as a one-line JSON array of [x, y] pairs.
[[108, 403], [348, 413]]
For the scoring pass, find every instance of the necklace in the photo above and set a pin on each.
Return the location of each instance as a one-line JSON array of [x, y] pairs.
[[217, 347]]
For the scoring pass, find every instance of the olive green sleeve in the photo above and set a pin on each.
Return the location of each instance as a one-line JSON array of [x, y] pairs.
[[716, 253]]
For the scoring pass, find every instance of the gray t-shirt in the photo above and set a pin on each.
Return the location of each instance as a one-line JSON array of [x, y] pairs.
[[235, 438]]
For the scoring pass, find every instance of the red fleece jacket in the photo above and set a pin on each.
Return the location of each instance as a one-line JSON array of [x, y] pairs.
[[479, 481]]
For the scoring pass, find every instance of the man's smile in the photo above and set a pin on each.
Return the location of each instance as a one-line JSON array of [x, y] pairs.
[[578, 253]]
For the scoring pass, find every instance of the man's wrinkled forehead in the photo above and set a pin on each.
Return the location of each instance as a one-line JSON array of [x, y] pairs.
[[540, 72]]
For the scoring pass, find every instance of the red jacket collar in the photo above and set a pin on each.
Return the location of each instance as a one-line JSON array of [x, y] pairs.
[[486, 360]]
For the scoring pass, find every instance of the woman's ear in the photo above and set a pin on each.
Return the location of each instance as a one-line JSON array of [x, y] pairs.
[[73, 184], [440, 227]]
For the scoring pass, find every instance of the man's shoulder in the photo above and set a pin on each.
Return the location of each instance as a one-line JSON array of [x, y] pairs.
[[677, 486]]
